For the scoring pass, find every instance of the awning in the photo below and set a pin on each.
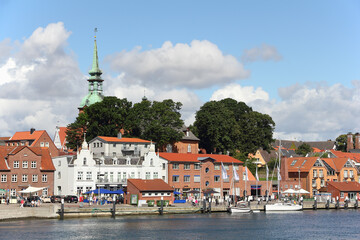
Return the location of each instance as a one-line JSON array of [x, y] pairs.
[[176, 192], [31, 189], [104, 191]]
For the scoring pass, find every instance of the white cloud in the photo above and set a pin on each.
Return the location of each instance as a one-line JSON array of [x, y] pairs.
[[263, 53], [239, 93], [198, 65], [305, 112]]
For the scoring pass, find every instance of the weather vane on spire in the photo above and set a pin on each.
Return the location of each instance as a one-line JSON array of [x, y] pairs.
[[95, 31]]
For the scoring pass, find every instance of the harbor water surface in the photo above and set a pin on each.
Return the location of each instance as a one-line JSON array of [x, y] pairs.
[[331, 224]]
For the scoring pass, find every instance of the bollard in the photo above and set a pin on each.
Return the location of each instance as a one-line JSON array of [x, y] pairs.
[[327, 204], [356, 205], [161, 209], [346, 204], [62, 210], [204, 206], [337, 203], [315, 204], [113, 210]]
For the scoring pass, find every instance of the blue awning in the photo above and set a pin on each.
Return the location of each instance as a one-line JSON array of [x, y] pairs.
[[104, 191], [175, 175], [254, 187], [175, 192]]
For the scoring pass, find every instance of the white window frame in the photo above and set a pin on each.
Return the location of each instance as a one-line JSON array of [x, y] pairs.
[[3, 178], [33, 164], [25, 164], [44, 178], [35, 178], [24, 178], [16, 164], [14, 178]]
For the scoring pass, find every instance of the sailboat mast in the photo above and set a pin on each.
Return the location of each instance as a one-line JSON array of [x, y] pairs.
[[279, 170]]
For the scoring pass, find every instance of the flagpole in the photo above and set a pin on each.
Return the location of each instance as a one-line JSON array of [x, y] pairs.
[[222, 191], [256, 182]]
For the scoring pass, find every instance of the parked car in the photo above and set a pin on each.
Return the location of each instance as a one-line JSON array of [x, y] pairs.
[[71, 198], [55, 199], [46, 199]]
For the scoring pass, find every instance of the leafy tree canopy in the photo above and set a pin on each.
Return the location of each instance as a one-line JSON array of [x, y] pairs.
[[303, 149], [341, 142], [156, 121], [228, 125]]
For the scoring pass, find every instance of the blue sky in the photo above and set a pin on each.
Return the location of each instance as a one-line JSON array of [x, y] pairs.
[[295, 60]]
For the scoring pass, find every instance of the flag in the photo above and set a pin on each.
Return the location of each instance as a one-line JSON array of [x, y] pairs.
[[279, 176], [223, 172], [267, 173], [236, 176], [256, 174], [246, 174]]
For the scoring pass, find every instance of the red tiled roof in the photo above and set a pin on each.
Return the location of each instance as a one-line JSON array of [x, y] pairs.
[[352, 156], [115, 139], [4, 150], [336, 163], [150, 185], [27, 136], [346, 186], [4, 138], [46, 161], [304, 167], [62, 135], [187, 157]]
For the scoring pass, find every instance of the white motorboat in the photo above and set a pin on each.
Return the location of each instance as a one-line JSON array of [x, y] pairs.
[[282, 207], [241, 208]]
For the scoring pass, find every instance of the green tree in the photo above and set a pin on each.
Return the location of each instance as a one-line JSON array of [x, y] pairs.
[[303, 149], [157, 121], [341, 142], [228, 125], [104, 118]]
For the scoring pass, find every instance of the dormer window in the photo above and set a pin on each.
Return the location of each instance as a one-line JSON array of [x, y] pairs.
[[84, 161], [187, 133], [293, 162], [151, 162]]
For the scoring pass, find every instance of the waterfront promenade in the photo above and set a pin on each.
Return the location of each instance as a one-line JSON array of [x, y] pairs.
[[49, 210]]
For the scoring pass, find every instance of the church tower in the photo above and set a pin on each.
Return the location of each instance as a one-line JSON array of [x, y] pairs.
[[95, 93]]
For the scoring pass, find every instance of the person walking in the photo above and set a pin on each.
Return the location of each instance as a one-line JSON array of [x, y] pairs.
[[22, 203]]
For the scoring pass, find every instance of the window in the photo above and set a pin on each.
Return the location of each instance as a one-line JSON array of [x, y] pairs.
[[217, 167], [101, 144], [175, 178], [88, 175], [3, 178], [114, 144], [94, 145], [189, 148], [33, 164], [25, 164], [303, 162], [197, 166], [124, 176], [226, 167], [314, 183], [317, 164], [119, 176], [156, 175], [151, 162], [175, 166], [114, 154], [84, 161], [45, 191], [35, 178], [216, 178], [197, 178], [187, 166], [347, 164], [293, 162], [80, 175], [314, 173], [321, 173], [187, 178], [163, 166], [207, 170], [147, 175], [59, 163], [79, 190], [47, 144], [13, 192], [351, 173], [59, 175], [345, 173], [112, 176], [341, 194], [207, 183], [14, 178], [44, 178], [16, 164], [132, 175], [87, 189], [42, 144], [322, 183], [236, 167]]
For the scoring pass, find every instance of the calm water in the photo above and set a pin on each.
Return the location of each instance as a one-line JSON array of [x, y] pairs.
[[341, 224]]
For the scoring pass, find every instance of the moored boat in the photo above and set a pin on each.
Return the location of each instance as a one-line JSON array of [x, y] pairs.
[[283, 207]]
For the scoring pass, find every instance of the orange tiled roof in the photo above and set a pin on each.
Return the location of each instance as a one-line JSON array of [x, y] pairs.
[[46, 161], [125, 140], [4, 138], [304, 167], [352, 156], [4, 150], [346, 186], [336, 163], [150, 185], [187, 157], [62, 134], [27, 136]]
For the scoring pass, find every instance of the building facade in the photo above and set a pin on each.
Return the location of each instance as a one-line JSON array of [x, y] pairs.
[[24, 166]]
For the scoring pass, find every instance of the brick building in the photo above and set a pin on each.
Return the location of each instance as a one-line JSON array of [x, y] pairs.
[[343, 190], [25, 166], [151, 189], [203, 171], [33, 138]]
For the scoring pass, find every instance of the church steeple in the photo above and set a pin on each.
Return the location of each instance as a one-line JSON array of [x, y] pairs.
[[95, 91]]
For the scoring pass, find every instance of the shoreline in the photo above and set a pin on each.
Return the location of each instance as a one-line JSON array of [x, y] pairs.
[[50, 211]]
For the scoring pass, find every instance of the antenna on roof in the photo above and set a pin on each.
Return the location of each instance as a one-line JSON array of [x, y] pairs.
[[95, 31]]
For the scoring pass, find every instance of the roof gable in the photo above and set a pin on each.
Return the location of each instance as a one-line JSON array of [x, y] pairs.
[[187, 157], [150, 185]]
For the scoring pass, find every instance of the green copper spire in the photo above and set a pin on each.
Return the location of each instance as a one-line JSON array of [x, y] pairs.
[[95, 72], [95, 91]]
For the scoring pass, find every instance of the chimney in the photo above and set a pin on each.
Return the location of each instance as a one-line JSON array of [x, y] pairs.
[[357, 141], [350, 143], [32, 130]]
